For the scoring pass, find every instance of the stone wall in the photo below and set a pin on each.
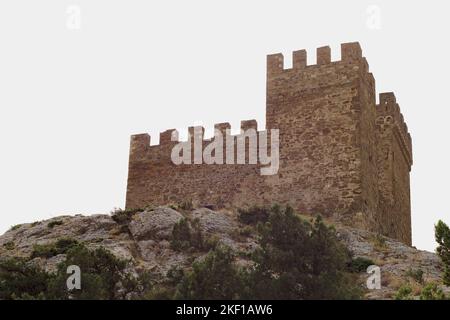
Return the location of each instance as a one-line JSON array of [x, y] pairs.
[[334, 141], [394, 163], [154, 179]]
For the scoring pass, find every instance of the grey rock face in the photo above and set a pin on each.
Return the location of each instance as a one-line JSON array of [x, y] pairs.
[[145, 241], [214, 222], [156, 224]]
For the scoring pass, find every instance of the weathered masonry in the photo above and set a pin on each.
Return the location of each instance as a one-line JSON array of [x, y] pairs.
[[341, 154]]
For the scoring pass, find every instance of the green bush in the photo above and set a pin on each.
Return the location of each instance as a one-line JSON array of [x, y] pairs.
[[181, 235], [299, 260], [404, 292], [175, 275], [253, 215], [124, 216], [360, 264], [186, 205], [159, 293], [187, 234], [101, 273], [197, 239], [210, 242], [43, 251], [103, 276], [246, 231], [379, 242], [432, 292], [34, 224], [442, 235], [416, 274], [61, 246], [213, 278], [20, 279], [55, 223], [10, 245]]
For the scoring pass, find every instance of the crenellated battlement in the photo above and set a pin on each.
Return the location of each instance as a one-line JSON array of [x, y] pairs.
[[168, 136], [350, 53], [338, 154], [140, 143], [389, 116]]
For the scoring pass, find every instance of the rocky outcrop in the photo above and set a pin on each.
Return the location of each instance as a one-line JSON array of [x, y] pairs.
[[396, 260], [156, 224], [145, 238]]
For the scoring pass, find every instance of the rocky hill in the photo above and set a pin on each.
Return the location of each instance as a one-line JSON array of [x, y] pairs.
[[144, 237]]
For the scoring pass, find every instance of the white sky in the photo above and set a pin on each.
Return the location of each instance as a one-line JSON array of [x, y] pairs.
[[70, 99]]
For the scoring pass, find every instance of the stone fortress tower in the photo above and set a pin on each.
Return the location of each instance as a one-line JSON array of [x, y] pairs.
[[341, 155]]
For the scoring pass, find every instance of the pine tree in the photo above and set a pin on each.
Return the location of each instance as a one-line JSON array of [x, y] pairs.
[[442, 234]]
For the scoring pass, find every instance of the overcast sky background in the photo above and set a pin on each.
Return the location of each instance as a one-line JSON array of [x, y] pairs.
[[70, 97]]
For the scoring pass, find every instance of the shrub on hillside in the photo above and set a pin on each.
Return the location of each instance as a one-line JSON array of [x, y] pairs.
[[215, 277], [442, 234], [102, 273], [61, 246], [10, 245], [19, 279], [300, 260], [297, 260], [55, 223], [404, 292], [416, 274], [254, 214], [103, 276], [432, 292], [360, 264], [187, 234], [181, 235], [123, 216], [186, 205]]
